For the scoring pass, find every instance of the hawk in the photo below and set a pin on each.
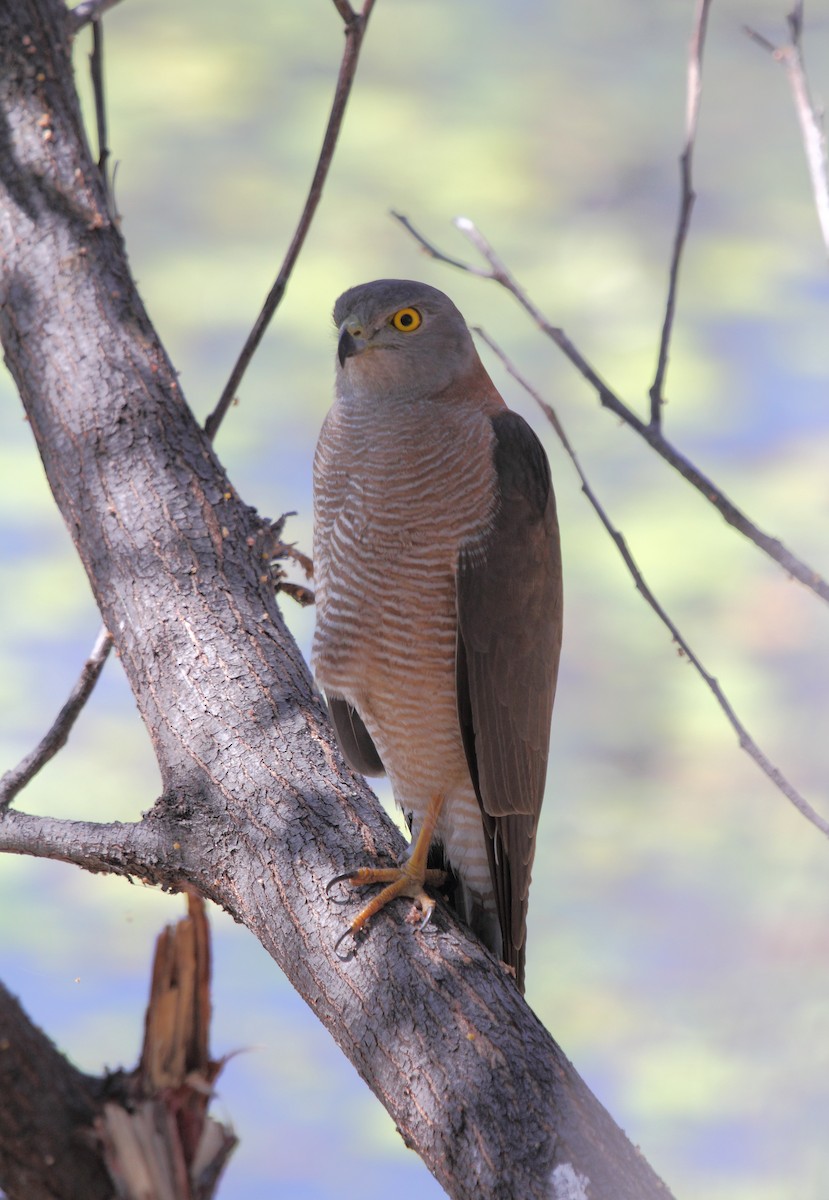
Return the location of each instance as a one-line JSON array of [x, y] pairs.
[[439, 603]]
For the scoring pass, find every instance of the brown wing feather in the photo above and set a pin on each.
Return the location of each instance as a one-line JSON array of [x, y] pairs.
[[355, 740], [509, 637]]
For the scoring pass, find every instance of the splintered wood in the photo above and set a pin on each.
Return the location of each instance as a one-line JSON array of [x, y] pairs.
[[162, 1145]]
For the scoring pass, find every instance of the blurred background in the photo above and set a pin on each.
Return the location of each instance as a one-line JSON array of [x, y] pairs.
[[679, 919]]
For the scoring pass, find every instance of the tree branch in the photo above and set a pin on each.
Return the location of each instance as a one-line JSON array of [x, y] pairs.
[[16, 779], [144, 850], [686, 203], [355, 29], [259, 810], [46, 1150], [811, 124], [745, 739], [734, 516], [96, 70]]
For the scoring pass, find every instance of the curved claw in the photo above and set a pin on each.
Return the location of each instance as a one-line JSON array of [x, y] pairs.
[[426, 918], [339, 942], [332, 882]]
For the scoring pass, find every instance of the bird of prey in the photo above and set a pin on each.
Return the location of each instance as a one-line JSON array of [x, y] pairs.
[[439, 605]]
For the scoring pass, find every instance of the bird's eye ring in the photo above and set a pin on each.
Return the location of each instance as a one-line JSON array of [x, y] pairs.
[[406, 319]]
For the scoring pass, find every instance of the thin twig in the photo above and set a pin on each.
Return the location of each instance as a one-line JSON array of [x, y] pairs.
[[811, 123], [96, 70], [734, 516], [439, 255], [355, 28], [17, 778], [86, 11], [746, 741], [686, 203]]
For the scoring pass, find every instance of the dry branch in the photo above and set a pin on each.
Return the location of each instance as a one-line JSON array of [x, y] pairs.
[[17, 777], [497, 271], [355, 29], [65, 1135], [96, 71], [158, 1138], [609, 399], [745, 739], [686, 203], [809, 119]]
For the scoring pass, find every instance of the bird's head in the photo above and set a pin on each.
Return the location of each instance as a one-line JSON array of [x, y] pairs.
[[399, 339]]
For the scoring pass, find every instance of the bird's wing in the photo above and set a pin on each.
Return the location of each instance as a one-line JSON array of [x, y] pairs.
[[355, 740], [509, 636]]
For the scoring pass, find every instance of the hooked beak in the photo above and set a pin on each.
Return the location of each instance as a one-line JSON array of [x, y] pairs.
[[351, 341], [346, 346]]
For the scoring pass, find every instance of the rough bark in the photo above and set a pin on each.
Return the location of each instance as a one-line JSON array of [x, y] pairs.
[[45, 1107], [258, 810]]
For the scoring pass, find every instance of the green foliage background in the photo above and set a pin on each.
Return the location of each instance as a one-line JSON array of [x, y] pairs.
[[679, 940]]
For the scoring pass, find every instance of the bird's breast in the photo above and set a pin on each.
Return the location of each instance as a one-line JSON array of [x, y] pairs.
[[395, 499]]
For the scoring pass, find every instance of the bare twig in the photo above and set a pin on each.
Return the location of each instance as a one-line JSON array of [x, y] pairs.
[[355, 28], [811, 122], [686, 203], [275, 551], [17, 778], [96, 70], [298, 592], [86, 11], [746, 741], [734, 516], [438, 255]]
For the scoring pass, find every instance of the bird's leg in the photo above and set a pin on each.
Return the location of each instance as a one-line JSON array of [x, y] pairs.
[[409, 879]]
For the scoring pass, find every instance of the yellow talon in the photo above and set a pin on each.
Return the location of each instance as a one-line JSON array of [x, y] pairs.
[[409, 879]]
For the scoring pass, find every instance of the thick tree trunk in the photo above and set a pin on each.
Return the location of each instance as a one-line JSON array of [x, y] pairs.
[[258, 810]]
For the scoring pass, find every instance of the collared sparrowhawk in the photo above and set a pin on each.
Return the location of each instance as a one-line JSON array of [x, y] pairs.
[[439, 607]]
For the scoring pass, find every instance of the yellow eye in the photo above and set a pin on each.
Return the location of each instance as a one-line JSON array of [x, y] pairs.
[[406, 319]]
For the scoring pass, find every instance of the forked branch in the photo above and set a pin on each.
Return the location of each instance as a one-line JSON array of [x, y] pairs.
[[686, 204], [90, 11], [811, 121], [651, 431], [609, 399], [746, 741]]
